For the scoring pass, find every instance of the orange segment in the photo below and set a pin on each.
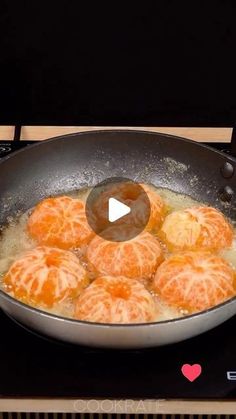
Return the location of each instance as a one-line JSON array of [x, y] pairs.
[[196, 228], [46, 276], [60, 222], [136, 258], [194, 281], [115, 300]]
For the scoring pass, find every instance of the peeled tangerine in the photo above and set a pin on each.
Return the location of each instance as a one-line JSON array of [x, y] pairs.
[[194, 281], [115, 300], [196, 228], [45, 276], [135, 258], [60, 222]]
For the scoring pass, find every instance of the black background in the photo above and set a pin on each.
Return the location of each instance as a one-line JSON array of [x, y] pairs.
[[163, 62]]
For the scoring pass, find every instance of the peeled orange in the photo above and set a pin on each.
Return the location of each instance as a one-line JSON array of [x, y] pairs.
[[194, 281], [45, 276], [115, 300], [60, 222], [135, 258], [196, 228]]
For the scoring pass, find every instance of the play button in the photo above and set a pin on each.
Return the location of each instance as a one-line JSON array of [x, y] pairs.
[[116, 210], [118, 202]]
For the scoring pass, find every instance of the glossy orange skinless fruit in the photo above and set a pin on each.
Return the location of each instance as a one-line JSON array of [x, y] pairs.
[[46, 276], [194, 281], [135, 258], [196, 228], [115, 300], [60, 222]]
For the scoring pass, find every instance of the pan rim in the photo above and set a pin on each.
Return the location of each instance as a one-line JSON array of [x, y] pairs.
[[115, 325], [110, 131]]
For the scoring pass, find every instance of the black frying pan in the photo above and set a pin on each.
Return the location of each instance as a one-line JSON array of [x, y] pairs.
[[74, 161]]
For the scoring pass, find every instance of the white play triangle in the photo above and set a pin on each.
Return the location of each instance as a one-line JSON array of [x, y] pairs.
[[116, 210]]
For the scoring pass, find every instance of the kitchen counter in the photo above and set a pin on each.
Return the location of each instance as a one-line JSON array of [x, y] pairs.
[[137, 407], [44, 132]]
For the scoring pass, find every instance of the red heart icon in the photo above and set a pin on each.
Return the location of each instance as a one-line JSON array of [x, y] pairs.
[[191, 372]]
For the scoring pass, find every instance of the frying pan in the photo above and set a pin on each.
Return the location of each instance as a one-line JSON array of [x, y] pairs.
[[72, 162]]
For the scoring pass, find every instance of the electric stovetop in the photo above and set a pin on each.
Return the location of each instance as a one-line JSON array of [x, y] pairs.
[[33, 366]]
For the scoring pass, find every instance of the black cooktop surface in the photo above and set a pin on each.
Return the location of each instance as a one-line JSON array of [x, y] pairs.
[[32, 366]]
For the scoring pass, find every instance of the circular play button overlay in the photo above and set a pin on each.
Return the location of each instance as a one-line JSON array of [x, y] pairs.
[[118, 209]]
